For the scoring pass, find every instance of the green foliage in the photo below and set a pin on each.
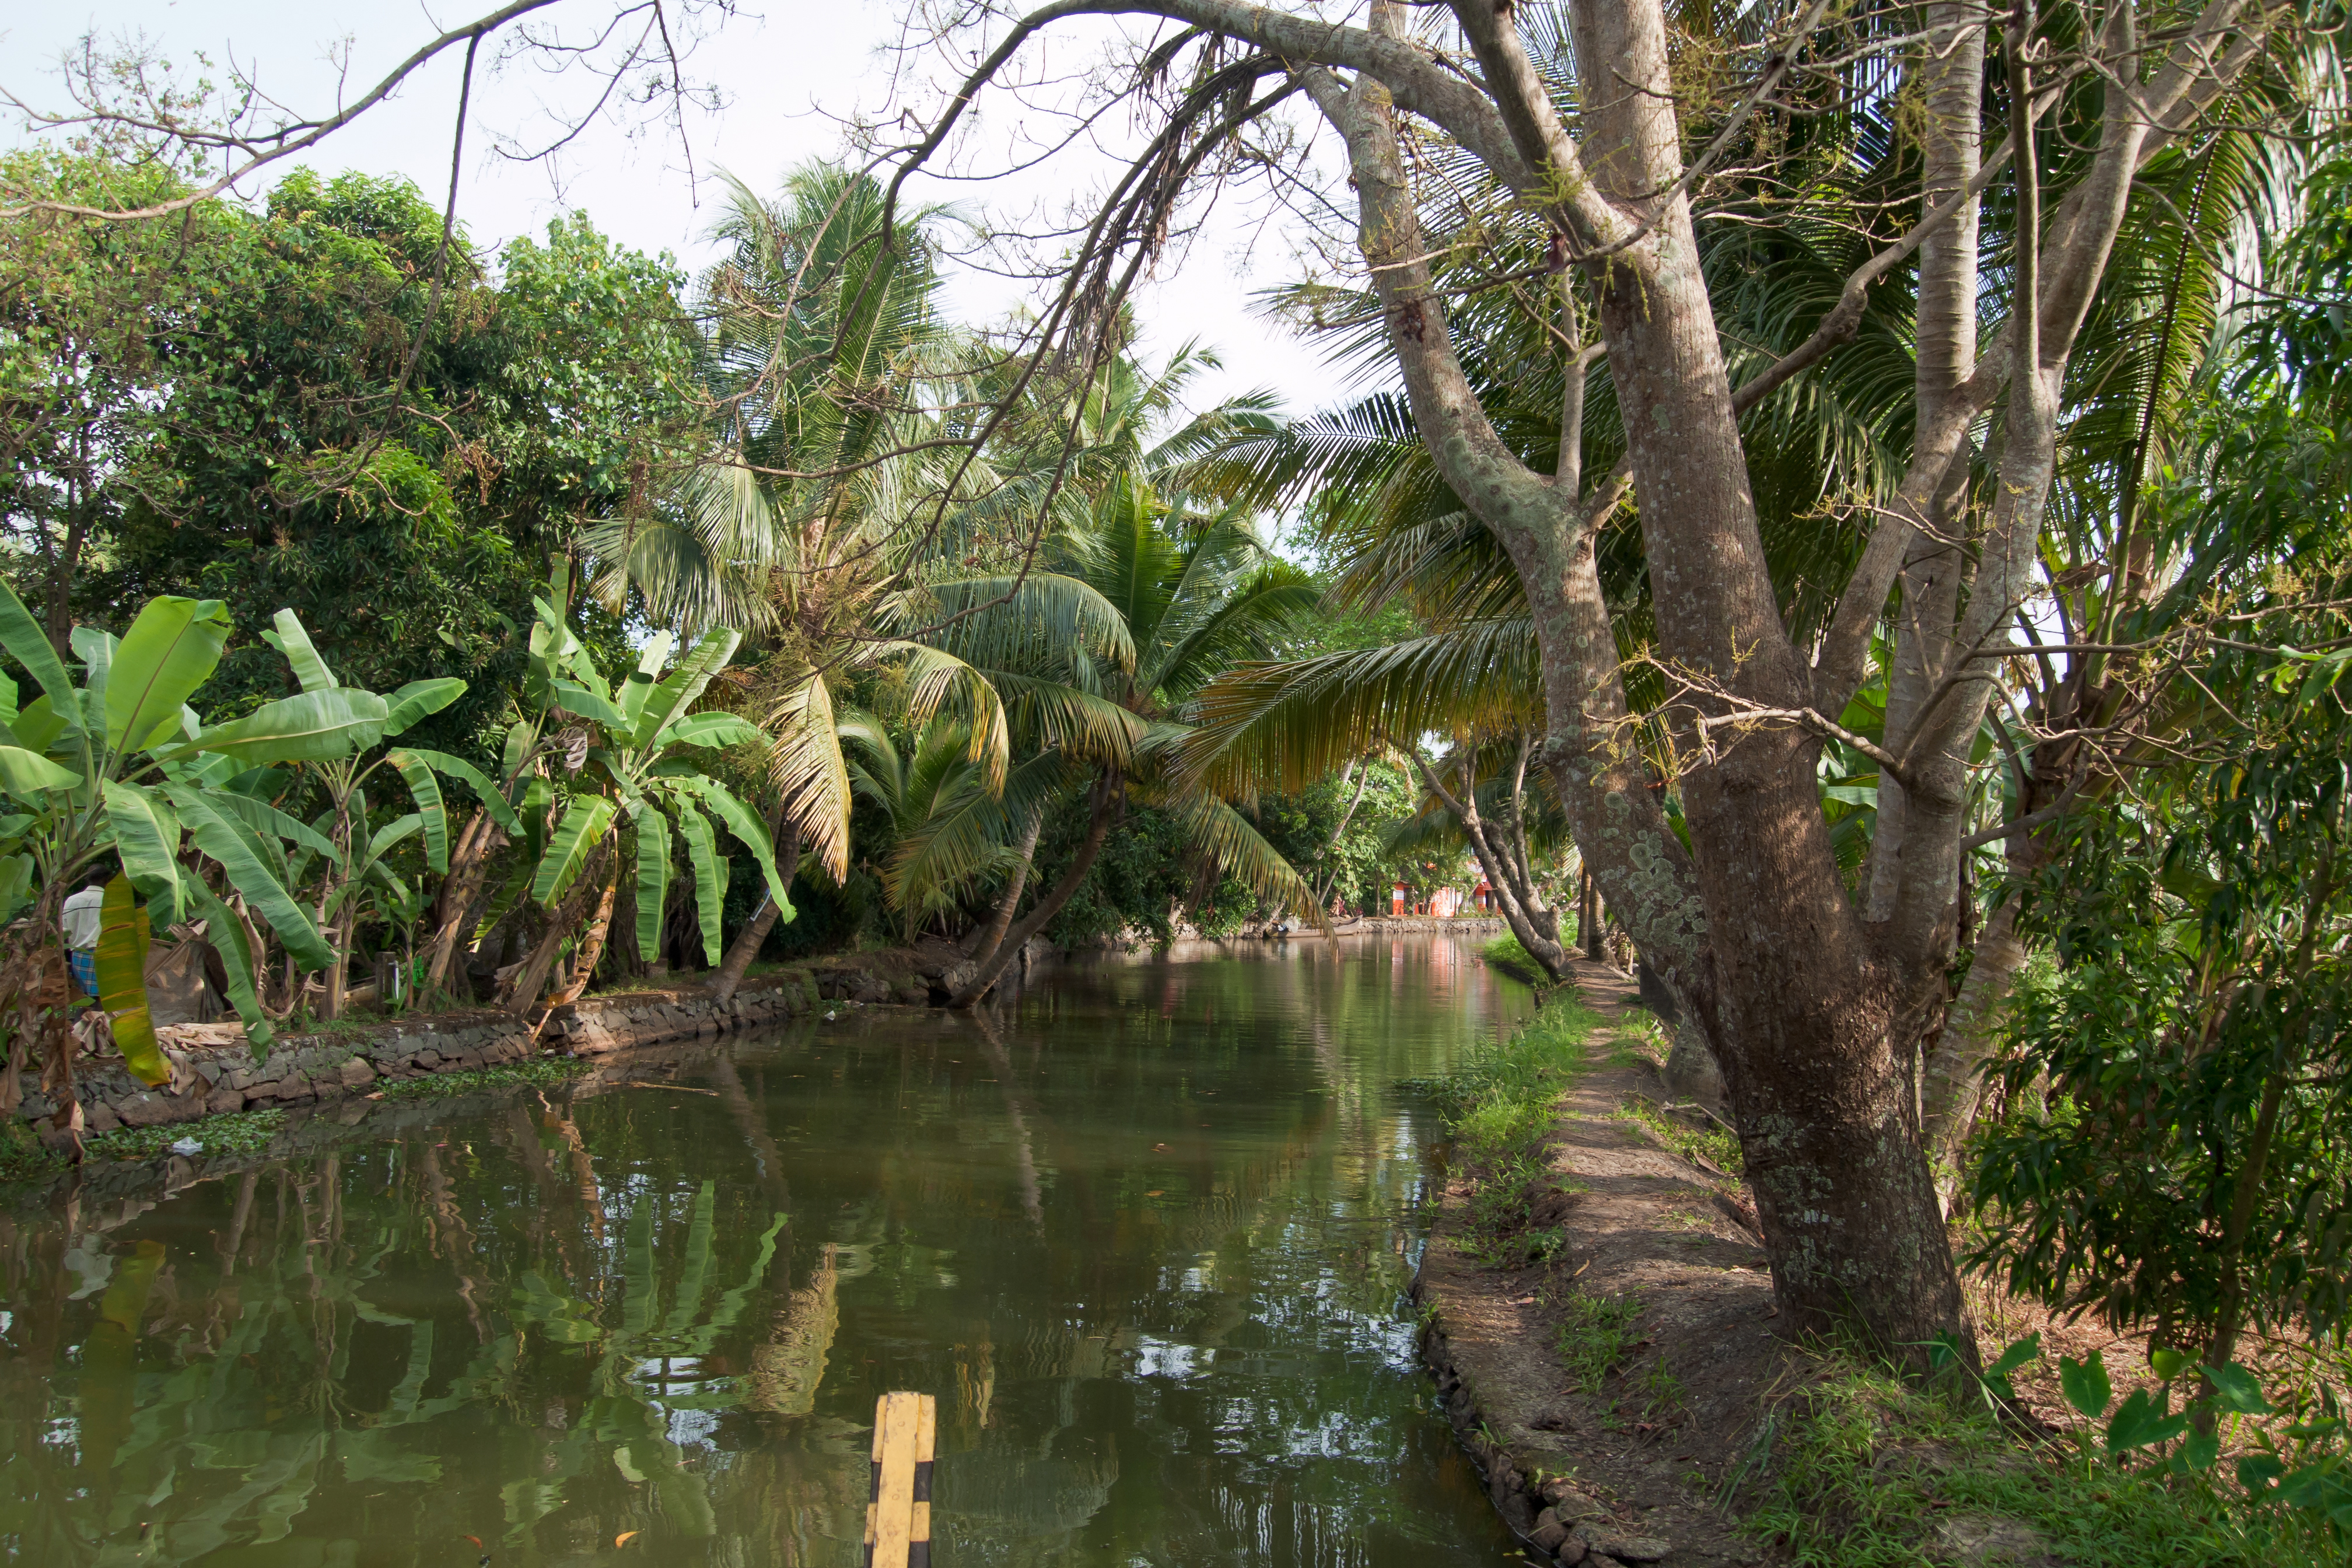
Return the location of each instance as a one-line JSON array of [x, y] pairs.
[[1500, 1103], [2190, 1166], [537, 1072], [1714, 1143], [1591, 1337], [1867, 1470], [1506, 954]]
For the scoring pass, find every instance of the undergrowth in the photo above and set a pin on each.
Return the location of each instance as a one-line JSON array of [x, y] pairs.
[[1506, 954], [1591, 1337], [1863, 1470], [1714, 1143], [543, 1072], [1500, 1106]]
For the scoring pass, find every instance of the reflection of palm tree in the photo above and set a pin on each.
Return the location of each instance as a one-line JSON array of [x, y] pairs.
[[787, 1366]]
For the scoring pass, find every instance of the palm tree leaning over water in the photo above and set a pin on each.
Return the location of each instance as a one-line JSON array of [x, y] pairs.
[[1192, 591]]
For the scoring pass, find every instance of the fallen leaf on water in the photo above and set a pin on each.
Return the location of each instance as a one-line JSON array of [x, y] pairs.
[[625, 1538]]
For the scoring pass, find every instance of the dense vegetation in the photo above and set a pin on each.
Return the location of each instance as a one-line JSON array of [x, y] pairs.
[[1878, 548]]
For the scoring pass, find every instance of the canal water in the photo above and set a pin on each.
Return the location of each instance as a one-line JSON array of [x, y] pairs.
[[1145, 1234]]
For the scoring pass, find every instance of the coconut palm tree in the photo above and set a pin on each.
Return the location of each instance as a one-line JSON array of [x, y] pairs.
[[1192, 591]]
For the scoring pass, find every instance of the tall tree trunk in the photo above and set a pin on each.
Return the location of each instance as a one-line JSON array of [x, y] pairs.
[[1000, 920], [1755, 927], [521, 994], [755, 931], [1108, 795]]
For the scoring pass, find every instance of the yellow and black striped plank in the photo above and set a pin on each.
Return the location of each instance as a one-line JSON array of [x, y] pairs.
[[899, 1506]]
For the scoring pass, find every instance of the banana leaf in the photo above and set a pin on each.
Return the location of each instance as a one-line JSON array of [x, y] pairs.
[[122, 984]]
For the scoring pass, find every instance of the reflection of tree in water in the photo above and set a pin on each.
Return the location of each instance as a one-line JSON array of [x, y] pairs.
[[310, 1374], [1169, 1353]]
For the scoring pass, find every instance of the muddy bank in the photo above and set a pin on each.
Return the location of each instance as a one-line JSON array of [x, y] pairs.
[[1606, 1353], [215, 1073]]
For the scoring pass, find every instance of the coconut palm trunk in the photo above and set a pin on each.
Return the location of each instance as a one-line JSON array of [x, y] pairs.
[[1000, 920], [1107, 799], [754, 934]]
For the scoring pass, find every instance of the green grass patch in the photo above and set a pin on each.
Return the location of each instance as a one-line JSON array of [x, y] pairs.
[[540, 1072], [1717, 1144], [1506, 954], [1498, 1104], [1863, 1470], [1593, 1336]]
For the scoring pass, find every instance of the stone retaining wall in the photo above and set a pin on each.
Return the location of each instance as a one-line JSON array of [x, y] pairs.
[[302, 1068]]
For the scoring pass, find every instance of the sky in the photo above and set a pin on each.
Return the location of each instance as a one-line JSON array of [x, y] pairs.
[[788, 72]]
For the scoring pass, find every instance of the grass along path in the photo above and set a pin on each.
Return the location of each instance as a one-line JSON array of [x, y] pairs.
[[1598, 1306]]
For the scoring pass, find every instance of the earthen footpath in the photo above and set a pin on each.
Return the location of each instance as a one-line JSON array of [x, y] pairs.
[[1611, 1392]]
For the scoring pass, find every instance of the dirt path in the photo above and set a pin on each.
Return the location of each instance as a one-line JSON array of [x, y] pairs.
[[1611, 1390]]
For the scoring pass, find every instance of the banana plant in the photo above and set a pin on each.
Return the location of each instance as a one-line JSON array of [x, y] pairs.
[[355, 867], [630, 758], [119, 764]]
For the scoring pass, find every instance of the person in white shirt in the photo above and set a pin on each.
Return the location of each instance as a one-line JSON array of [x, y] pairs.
[[81, 919]]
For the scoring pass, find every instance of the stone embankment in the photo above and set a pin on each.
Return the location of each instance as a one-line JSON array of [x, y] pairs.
[[213, 1072]]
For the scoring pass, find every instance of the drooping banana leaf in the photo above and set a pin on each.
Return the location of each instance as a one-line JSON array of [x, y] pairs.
[[653, 879], [709, 876], [746, 826], [581, 830], [426, 790], [146, 833], [123, 982], [228, 841], [493, 799], [227, 934]]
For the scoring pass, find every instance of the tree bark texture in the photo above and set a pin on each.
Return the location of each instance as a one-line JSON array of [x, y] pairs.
[[522, 991], [1000, 920], [1815, 1007]]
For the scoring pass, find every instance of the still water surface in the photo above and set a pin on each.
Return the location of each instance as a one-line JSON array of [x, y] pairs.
[[1144, 1235]]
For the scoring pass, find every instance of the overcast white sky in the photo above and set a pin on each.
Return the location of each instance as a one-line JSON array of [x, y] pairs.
[[783, 70]]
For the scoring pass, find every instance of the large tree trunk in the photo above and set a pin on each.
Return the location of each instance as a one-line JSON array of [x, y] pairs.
[[755, 931], [1000, 920], [1108, 795], [1758, 932]]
